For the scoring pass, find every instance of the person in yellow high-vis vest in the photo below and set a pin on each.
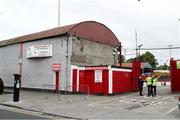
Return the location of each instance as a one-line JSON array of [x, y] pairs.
[[154, 83], [149, 85]]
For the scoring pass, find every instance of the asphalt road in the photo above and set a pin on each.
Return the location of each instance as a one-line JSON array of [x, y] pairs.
[[6, 114], [175, 112]]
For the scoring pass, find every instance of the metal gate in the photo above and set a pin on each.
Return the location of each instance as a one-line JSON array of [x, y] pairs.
[[175, 75]]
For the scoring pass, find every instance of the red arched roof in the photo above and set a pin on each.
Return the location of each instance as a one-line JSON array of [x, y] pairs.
[[94, 31], [89, 30]]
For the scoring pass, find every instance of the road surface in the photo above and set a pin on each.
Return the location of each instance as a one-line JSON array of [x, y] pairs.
[[7, 114]]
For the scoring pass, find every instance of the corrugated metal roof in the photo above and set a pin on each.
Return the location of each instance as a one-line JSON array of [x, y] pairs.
[[37, 36], [89, 30]]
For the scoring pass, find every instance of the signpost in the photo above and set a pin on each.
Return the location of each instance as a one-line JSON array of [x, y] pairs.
[[57, 68]]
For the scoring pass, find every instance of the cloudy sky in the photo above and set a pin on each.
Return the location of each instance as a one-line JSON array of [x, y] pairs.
[[156, 21]]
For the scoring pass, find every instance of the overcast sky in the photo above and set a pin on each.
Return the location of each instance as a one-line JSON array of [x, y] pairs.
[[156, 21]]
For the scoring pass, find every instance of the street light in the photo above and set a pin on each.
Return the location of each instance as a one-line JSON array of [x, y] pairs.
[[58, 13], [136, 43], [139, 50], [136, 39]]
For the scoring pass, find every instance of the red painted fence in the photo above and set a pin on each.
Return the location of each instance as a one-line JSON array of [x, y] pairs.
[[105, 79], [121, 81]]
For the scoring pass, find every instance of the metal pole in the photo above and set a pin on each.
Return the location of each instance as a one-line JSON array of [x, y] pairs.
[[120, 55], [58, 13], [139, 54], [136, 37], [136, 42], [114, 60], [170, 46]]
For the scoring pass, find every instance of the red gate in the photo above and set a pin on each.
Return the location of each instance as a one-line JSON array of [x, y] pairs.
[[136, 71], [175, 75]]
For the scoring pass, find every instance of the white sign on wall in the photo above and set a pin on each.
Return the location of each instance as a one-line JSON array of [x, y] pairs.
[[98, 76], [178, 64], [39, 51]]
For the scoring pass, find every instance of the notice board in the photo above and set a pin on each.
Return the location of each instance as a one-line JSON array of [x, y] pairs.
[[178, 64]]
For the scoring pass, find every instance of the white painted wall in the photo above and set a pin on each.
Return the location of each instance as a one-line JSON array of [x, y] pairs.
[[36, 71]]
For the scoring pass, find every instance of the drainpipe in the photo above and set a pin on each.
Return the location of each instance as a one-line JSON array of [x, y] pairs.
[[120, 55], [20, 61], [67, 57]]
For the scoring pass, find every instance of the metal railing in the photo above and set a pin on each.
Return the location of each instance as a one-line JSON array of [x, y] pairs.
[[81, 91], [48, 88], [78, 89]]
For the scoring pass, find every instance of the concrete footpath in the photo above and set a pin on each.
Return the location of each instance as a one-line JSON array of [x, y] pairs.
[[122, 106]]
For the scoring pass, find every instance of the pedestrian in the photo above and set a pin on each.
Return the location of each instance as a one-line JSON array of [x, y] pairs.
[[149, 85], [154, 83], [140, 84]]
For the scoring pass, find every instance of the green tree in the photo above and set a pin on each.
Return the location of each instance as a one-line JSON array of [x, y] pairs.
[[146, 57], [130, 60], [163, 67], [150, 58]]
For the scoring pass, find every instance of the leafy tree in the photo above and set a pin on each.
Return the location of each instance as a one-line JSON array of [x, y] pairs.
[[130, 60], [146, 57], [163, 67], [150, 58]]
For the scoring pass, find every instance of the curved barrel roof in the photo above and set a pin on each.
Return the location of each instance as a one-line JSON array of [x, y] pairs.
[[89, 30]]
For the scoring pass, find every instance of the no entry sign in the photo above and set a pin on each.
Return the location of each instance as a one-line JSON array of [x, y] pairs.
[[56, 67]]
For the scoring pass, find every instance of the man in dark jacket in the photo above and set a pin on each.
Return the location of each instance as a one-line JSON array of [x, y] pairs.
[[140, 84]]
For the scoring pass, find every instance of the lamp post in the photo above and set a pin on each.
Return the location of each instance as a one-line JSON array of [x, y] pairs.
[[139, 51], [136, 37], [136, 43], [58, 13]]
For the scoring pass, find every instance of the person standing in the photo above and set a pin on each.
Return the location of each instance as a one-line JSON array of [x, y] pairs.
[[149, 85], [140, 84], [154, 83]]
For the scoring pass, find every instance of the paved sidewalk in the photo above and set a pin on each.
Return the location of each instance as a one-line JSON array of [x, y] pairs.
[[120, 106]]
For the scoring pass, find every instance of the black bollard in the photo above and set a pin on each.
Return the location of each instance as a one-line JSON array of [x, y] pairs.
[[16, 87], [1, 86]]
